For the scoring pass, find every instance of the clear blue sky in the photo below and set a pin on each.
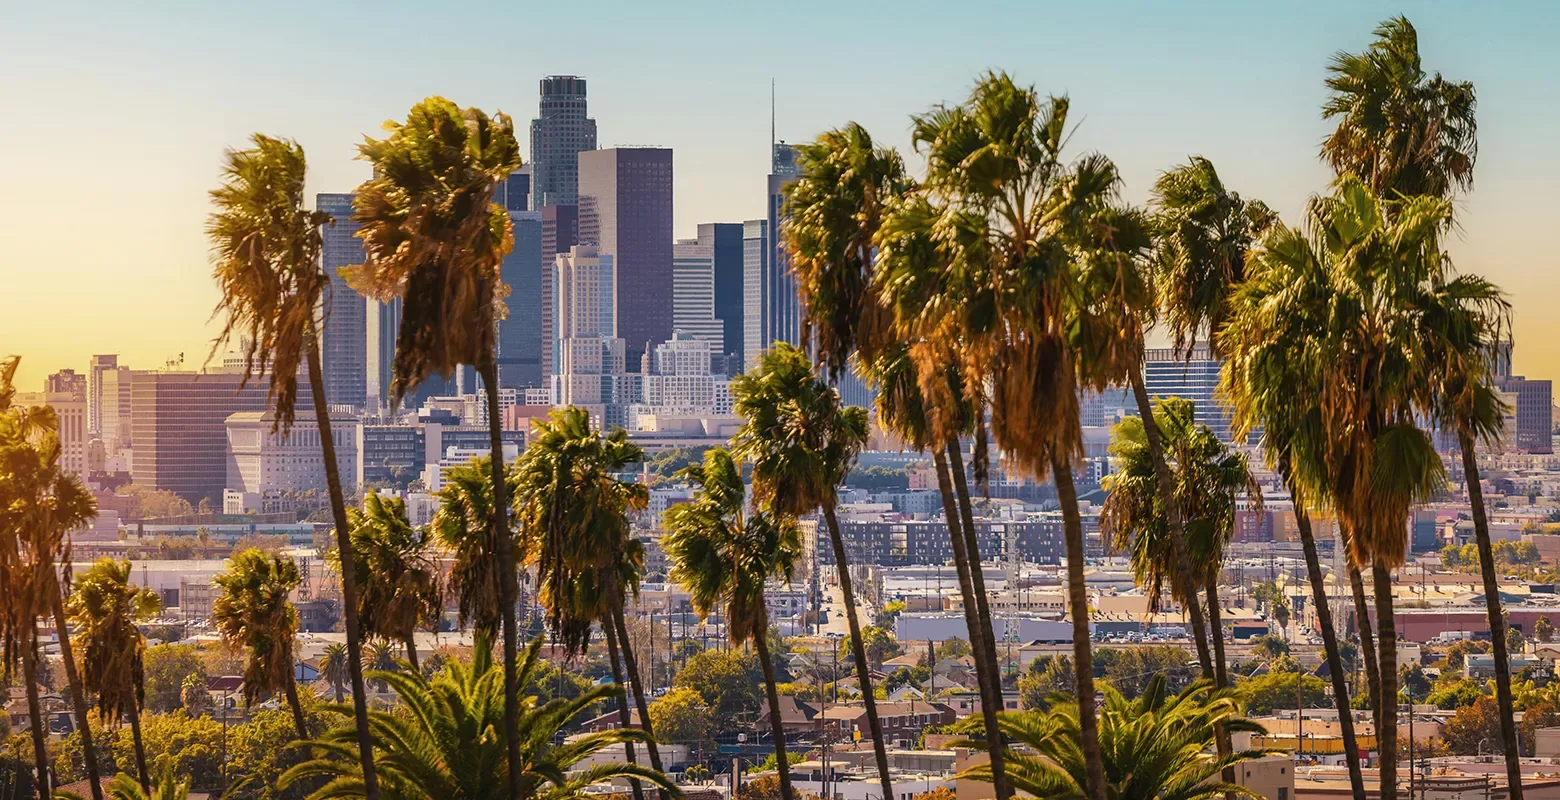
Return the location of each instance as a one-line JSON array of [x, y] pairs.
[[115, 116]]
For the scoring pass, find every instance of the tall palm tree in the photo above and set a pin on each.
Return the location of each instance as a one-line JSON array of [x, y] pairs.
[[252, 612], [1156, 746], [1271, 371], [574, 509], [333, 668], [39, 504], [723, 556], [398, 583], [266, 251], [1031, 295], [1401, 131], [463, 524], [105, 608], [834, 215], [433, 237], [443, 741], [802, 441]]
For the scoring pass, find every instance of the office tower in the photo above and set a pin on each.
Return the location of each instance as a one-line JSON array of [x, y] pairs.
[[520, 332], [725, 243], [1167, 374], [67, 381], [381, 328], [770, 304], [559, 134], [180, 431], [344, 340], [114, 422], [95, 371], [680, 383], [1531, 423], [626, 212], [261, 462], [755, 266], [586, 351], [514, 193], [560, 231], [693, 293]]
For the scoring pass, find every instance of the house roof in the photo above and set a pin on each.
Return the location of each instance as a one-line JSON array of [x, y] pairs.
[[792, 711]]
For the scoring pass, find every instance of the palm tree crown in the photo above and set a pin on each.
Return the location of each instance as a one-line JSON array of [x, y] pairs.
[[252, 611], [399, 588], [105, 608]]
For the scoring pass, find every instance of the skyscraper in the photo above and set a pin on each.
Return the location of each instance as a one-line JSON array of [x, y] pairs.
[[520, 341], [560, 231], [626, 212], [344, 340], [559, 133], [587, 353], [725, 240], [514, 193], [67, 381], [383, 326], [1167, 374], [96, 368], [755, 269], [770, 303], [693, 293]]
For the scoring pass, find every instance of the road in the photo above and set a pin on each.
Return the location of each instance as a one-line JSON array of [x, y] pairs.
[[834, 612]]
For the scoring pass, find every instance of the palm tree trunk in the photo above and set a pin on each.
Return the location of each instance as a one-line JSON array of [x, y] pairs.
[[1330, 645], [1386, 730], [776, 724], [34, 709], [631, 665], [624, 721], [1481, 532], [1183, 561], [1078, 609], [411, 653], [859, 651], [349, 592], [135, 737], [78, 695], [1221, 676], [962, 566], [977, 575], [510, 583], [291, 690], [1367, 644]]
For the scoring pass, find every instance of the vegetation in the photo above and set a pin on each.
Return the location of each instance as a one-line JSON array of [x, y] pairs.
[[397, 581], [105, 608], [252, 612]]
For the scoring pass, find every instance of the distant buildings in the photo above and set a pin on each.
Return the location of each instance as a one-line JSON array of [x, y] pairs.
[[344, 339], [67, 381], [180, 432], [1168, 373], [96, 369], [262, 463], [561, 131], [771, 309], [625, 198], [680, 384], [1534, 417], [70, 413], [589, 357], [560, 231], [693, 293]]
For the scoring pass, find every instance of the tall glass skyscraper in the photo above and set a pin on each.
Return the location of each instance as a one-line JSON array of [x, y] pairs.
[[344, 340], [520, 332], [626, 212], [559, 133], [1167, 373], [772, 311]]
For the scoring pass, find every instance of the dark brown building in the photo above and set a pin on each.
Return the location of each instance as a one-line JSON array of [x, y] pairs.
[[626, 211]]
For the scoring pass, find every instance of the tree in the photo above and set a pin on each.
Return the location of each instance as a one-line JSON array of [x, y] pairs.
[[728, 681], [441, 743], [397, 581], [252, 612], [1543, 629], [1048, 677], [333, 668], [167, 667], [1269, 646], [105, 608], [1456, 694], [1474, 727], [1275, 691], [880, 645], [1540, 715], [194, 697], [464, 526], [682, 717], [433, 184], [802, 441], [723, 555], [168, 787], [266, 251], [1154, 746], [1515, 642], [1415, 684]]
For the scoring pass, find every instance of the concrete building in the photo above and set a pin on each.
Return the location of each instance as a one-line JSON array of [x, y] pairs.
[[693, 293], [560, 231], [1534, 417], [625, 198], [344, 338], [67, 381], [260, 461], [680, 383], [588, 354], [114, 423], [520, 342], [99, 366], [1168, 373], [560, 132], [180, 433], [70, 413], [725, 240]]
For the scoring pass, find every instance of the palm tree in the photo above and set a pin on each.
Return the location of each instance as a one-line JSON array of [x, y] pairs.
[[463, 524], [444, 741], [252, 612], [105, 608], [1155, 746], [169, 786], [835, 212], [333, 668], [1031, 294], [266, 247], [1402, 132], [434, 238], [399, 584], [39, 504], [802, 440], [723, 556]]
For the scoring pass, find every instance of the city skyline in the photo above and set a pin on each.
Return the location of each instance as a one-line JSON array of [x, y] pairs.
[[139, 285]]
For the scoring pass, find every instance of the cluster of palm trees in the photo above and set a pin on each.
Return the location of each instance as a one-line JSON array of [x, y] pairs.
[[982, 299]]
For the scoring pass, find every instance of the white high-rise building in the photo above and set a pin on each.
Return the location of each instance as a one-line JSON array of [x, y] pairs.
[[96, 369], [680, 384], [70, 412], [693, 292], [588, 357], [261, 462]]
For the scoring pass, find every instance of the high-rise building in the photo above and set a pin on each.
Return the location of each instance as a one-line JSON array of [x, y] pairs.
[[589, 356], [114, 423], [65, 392], [381, 328], [1533, 423], [771, 308], [67, 381], [626, 211], [560, 231], [260, 462], [95, 370], [520, 343], [344, 339], [679, 383], [725, 242], [693, 293], [180, 428], [1167, 374], [514, 193], [559, 134]]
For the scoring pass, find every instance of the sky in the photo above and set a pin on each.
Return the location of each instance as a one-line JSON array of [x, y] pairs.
[[114, 117]]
